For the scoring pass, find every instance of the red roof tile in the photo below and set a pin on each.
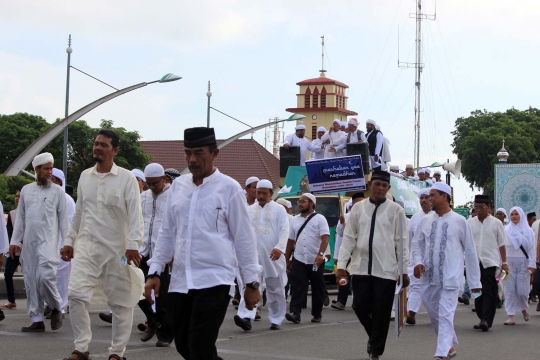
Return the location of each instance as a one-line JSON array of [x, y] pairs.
[[240, 159], [321, 81]]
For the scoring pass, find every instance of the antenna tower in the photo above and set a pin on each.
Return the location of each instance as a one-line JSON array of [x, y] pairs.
[[322, 71], [418, 65]]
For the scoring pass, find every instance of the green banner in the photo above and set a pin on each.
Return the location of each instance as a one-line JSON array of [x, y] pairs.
[[406, 191]]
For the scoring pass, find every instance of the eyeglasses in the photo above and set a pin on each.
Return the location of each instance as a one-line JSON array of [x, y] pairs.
[[302, 201], [153, 184]]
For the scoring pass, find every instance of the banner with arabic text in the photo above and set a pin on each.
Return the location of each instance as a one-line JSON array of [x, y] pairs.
[[336, 174]]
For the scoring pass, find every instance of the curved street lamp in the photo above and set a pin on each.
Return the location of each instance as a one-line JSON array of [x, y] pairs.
[[24, 159]]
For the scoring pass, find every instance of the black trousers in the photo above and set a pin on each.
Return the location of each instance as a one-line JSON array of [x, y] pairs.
[[158, 320], [486, 304], [299, 276], [196, 318], [372, 303], [536, 280], [344, 292], [10, 267]]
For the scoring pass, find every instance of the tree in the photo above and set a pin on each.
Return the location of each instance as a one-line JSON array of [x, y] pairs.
[[8, 187], [478, 139]]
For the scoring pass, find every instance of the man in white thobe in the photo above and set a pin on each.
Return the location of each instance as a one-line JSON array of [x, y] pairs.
[[414, 300], [64, 267], [442, 242], [298, 139], [105, 235], [271, 224], [333, 138], [386, 157], [353, 136], [317, 152], [375, 141], [42, 223]]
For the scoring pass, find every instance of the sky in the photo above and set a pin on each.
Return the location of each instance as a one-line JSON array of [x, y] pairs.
[[477, 55]]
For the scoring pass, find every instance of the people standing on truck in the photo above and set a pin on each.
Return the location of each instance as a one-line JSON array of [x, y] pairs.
[[298, 139], [333, 138], [375, 140], [318, 147], [354, 135]]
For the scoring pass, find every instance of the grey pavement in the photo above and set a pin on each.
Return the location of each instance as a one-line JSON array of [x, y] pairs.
[[339, 336]]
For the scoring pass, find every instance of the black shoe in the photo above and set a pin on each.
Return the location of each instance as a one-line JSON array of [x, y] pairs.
[[163, 343], [148, 334], [334, 301], [235, 301], [375, 357], [304, 306], [316, 319], [410, 318], [244, 324], [538, 307], [484, 325], [106, 317], [292, 317], [275, 327], [142, 327], [56, 319], [326, 300], [463, 300], [35, 327], [257, 316], [473, 309], [2, 316], [477, 327], [47, 311]]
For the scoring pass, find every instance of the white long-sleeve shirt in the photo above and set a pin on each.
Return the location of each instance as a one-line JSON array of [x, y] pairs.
[[442, 244], [378, 148], [271, 225], [70, 207], [351, 138], [340, 228], [153, 209], [4, 241], [207, 229], [335, 139], [317, 152], [304, 145], [374, 236], [488, 237]]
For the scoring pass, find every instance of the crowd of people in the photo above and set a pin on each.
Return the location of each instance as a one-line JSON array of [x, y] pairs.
[[180, 247]]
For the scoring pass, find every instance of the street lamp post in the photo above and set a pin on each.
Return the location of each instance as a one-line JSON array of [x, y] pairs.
[[209, 95], [69, 50]]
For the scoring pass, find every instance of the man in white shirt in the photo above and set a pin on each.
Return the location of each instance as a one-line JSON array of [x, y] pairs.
[[205, 230], [442, 243], [385, 154], [409, 172], [141, 179], [437, 176], [489, 239], [42, 222], [353, 136], [317, 152], [414, 300], [308, 238], [298, 139], [371, 241], [251, 190], [105, 235], [153, 203], [333, 138], [271, 224], [375, 140], [343, 291]]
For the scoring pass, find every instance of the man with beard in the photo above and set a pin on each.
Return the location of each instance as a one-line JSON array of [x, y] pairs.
[[105, 235], [333, 138], [271, 224], [353, 136], [375, 141], [414, 300], [42, 222], [318, 147], [298, 139]]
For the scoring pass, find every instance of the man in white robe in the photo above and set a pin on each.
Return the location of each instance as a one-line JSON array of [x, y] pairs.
[[414, 300], [105, 235], [386, 157], [271, 224], [442, 242], [298, 139], [353, 136], [42, 223], [333, 138], [375, 141], [317, 152]]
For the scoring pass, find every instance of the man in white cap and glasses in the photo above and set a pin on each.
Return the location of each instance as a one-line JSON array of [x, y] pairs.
[[442, 242], [271, 224], [409, 172], [42, 222], [375, 141], [251, 190], [354, 135], [318, 153], [298, 139], [141, 179], [308, 238], [437, 176], [153, 203], [333, 138], [414, 300]]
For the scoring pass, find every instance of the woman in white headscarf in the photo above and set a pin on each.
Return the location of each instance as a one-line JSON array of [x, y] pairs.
[[521, 256]]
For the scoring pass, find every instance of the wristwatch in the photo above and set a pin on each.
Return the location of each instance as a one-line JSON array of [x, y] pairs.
[[151, 276], [505, 263], [321, 253], [254, 285]]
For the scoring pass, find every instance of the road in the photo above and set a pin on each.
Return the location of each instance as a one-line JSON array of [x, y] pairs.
[[338, 336]]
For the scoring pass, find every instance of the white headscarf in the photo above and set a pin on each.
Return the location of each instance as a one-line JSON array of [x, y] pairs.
[[520, 233], [60, 175], [42, 159]]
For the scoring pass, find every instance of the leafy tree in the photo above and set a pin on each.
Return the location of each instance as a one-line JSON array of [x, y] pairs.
[[8, 187], [478, 139]]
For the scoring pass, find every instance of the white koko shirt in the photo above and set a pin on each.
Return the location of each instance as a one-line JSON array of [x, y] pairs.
[[207, 229], [153, 208], [309, 241], [488, 237]]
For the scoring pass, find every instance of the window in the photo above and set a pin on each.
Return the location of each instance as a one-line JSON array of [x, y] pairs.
[[316, 98], [307, 98], [323, 97], [314, 132]]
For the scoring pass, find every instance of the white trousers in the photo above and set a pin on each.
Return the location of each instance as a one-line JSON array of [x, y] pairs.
[[275, 301], [441, 306], [40, 284], [517, 287], [414, 300], [62, 282]]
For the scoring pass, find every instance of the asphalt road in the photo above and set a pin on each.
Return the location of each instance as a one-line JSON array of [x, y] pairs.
[[338, 336]]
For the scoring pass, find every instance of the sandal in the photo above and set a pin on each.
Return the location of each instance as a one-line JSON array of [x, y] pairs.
[[452, 353], [80, 355]]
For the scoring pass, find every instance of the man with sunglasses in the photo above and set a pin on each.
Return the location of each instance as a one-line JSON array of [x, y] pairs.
[[153, 203]]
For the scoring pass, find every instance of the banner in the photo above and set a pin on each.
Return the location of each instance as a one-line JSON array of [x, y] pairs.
[[336, 174]]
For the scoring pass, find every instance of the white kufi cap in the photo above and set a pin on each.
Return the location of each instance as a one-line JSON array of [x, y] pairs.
[[300, 127], [372, 122], [353, 121], [282, 201], [42, 159], [422, 192], [437, 172], [251, 180], [310, 197], [265, 184], [321, 128], [336, 121], [289, 204], [154, 170], [442, 187], [503, 210], [57, 173], [139, 174], [394, 167]]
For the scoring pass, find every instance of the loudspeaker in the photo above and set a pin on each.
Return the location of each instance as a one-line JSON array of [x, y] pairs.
[[453, 167], [360, 149], [288, 157]]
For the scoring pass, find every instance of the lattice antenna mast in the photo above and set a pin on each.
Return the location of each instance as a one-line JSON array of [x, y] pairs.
[[277, 137], [418, 65], [322, 71]]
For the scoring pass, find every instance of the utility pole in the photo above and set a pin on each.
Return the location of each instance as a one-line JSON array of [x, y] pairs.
[[418, 65], [69, 50], [209, 95], [322, 71]]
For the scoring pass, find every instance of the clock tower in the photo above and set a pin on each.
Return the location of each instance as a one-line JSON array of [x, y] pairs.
[[321, 100]]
